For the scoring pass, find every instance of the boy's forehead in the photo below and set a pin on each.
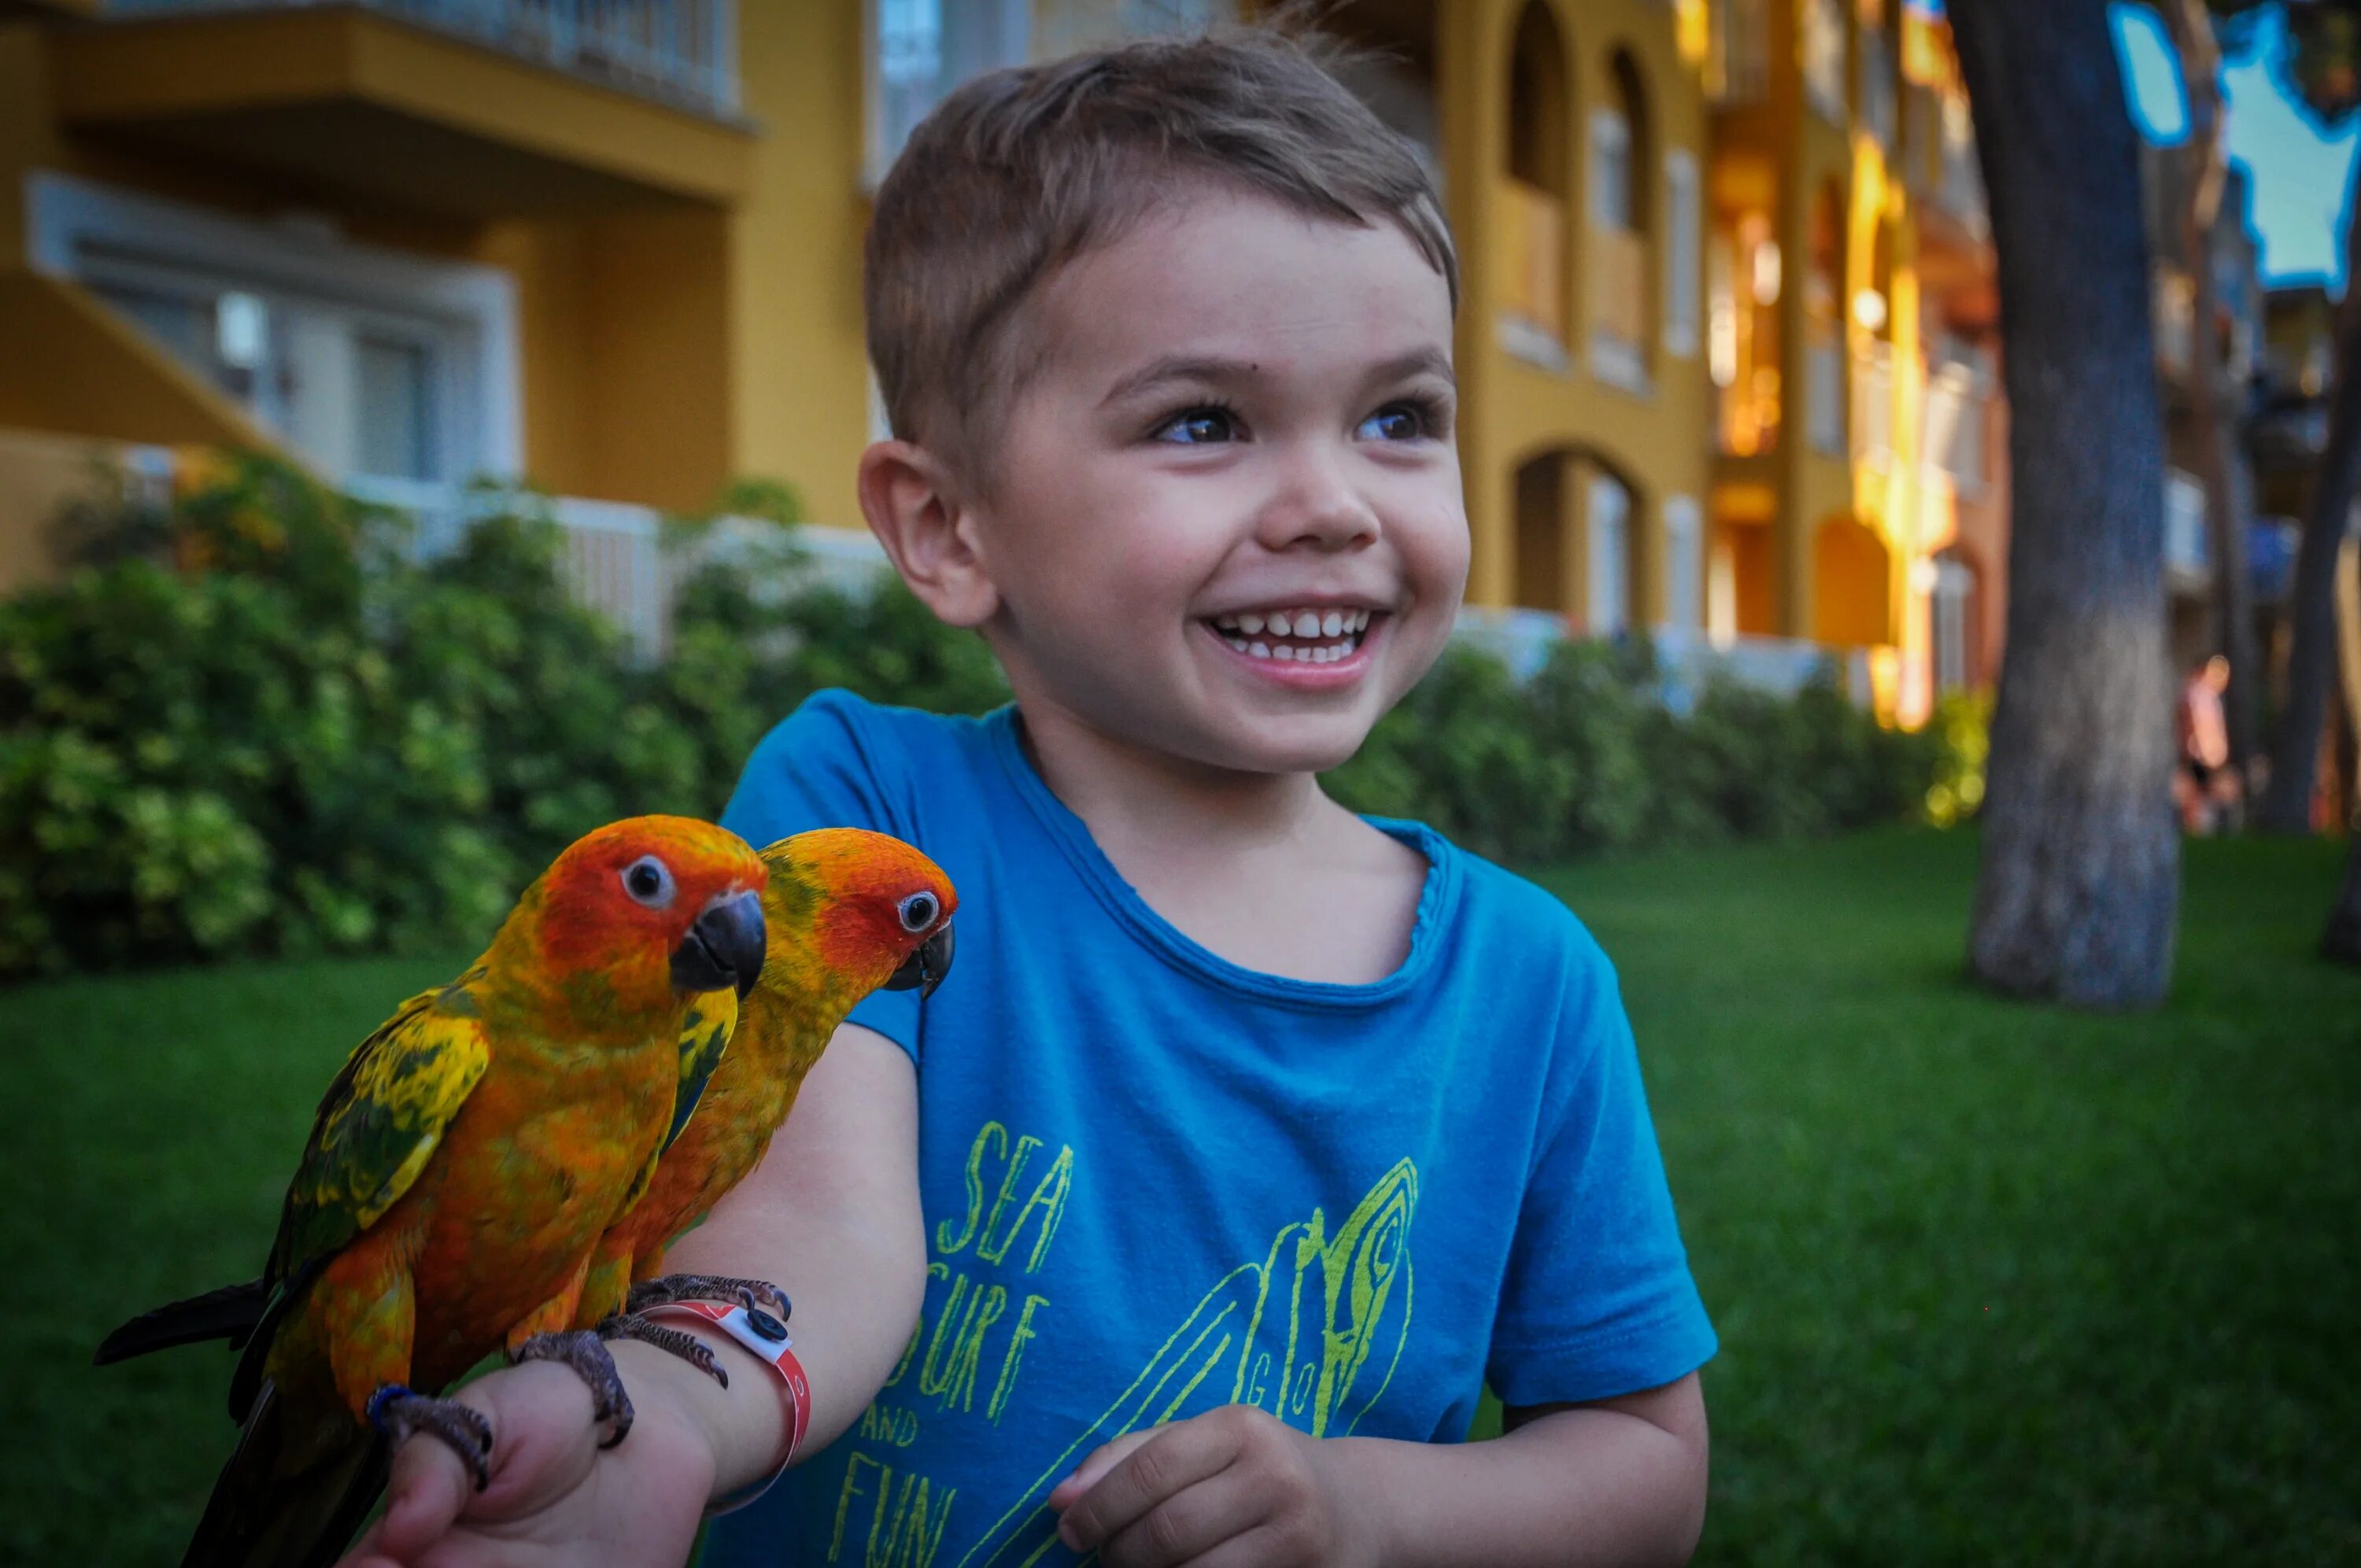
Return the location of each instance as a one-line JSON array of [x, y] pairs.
[[1224, 276]]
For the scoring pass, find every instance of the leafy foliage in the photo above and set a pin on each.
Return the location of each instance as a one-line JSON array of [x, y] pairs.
[[250, 723], [1584, 761]]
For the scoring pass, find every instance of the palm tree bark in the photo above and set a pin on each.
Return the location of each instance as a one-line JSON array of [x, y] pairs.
[[2216, 404], [2078, 884], [2311, 597]]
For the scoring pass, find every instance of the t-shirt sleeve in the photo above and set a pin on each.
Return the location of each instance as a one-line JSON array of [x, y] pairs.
[[832, 763], [1598, 1300]]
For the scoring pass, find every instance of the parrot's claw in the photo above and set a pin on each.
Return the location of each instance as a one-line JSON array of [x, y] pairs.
[[399, 1413], [586, 1352], [671, 1288], [681, 1343]]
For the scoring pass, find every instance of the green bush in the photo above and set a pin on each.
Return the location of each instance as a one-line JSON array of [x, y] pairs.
[[248, 723], [1586, 760]]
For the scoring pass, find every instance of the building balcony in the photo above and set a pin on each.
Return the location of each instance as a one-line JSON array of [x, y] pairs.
[[1528, 272], [1873, 405], [468, 108], [1619, 307]]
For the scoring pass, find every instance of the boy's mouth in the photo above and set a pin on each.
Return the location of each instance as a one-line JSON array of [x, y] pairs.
[[1309, 636]]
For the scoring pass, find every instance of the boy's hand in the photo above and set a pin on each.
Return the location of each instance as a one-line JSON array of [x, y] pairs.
[[556, 1497], [1233, 1488]]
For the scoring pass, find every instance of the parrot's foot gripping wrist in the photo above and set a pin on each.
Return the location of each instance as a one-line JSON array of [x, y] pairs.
[[585, 1351], [767, 1336], [679, 1341], [674, 1288], [399, 1412]]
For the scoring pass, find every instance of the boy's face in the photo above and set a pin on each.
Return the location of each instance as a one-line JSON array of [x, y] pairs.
[[1225, 522]]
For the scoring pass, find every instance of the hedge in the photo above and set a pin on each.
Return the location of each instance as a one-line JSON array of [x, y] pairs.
[[249, 723]]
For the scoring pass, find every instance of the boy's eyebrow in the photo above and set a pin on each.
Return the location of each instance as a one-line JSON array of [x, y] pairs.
[[1201, 368]]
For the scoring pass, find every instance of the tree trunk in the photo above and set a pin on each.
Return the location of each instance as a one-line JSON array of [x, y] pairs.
[[2217, 405], [2078, 890], [2312, 598], [2341, 940]]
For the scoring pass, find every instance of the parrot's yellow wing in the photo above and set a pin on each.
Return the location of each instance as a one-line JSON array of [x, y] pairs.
[[704, 1040], [380, 1122]]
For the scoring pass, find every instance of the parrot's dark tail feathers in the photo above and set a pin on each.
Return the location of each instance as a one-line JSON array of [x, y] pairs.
[[230, 1313], [295, 1491]]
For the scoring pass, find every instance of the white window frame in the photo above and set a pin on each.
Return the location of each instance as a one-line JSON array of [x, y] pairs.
[[1683, 565], [68, 220], [1683, 248], [1610, 136], [1607, 543]]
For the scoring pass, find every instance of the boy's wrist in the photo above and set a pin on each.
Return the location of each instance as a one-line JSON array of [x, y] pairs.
[[741, 1429]]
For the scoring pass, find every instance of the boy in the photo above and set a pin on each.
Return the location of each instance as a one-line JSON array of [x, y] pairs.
[[1250, 1137]]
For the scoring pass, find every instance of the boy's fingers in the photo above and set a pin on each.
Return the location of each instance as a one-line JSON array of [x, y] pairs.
[[1185, 1527], [424, 1493], [1093, 1467], [1175, 1459]]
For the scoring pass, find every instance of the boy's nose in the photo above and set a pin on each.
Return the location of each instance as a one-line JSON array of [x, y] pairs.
[[1318, 506]]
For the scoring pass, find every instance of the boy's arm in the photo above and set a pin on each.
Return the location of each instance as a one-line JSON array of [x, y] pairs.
[[831, 1215], [1620, 1480]]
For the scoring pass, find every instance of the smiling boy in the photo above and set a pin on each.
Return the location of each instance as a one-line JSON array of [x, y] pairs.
[[1252, 1135]]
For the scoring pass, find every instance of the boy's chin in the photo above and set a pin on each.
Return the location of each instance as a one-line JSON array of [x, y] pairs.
[[1301, 750]]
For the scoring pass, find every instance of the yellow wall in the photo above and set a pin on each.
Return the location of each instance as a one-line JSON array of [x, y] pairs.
[[799, 382], [1513, 409]]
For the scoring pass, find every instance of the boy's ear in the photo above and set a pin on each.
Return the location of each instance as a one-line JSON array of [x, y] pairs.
[[914, 507]]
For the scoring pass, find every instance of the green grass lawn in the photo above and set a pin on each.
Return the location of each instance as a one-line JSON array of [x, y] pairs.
[[1994, 1283]]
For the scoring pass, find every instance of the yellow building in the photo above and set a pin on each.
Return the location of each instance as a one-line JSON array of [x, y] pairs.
[[1725, 351]]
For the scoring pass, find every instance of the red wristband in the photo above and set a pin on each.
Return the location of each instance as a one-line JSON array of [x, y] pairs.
[[766, 1337]]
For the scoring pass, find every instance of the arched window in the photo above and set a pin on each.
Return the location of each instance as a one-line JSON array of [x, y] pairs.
[[1532, 273], [1541, 533], [1619, 219]]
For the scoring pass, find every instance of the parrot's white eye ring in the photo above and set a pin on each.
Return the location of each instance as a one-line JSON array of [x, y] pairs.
[[648, 881], [918, 912]]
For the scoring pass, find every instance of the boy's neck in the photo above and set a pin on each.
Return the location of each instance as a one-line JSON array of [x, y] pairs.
[[1137, 801]]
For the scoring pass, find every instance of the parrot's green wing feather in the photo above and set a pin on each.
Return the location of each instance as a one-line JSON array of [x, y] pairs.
[[382, 1121], [704, 1038]]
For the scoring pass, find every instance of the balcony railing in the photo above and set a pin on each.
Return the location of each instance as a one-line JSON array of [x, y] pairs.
[[681, 52], [1619, 305], [1737, 52], [1529, 270], [614, 558], [1872, 404], [1954, 414], [1686, 660]]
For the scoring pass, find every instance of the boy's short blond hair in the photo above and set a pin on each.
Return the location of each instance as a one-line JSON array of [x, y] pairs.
[[1020, 172]]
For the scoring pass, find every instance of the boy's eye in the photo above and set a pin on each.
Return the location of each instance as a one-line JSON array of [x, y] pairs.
[[1395, 422], [1195, 427]]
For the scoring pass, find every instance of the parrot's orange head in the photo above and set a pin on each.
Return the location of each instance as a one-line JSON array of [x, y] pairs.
[[866, 907], [650, 907]]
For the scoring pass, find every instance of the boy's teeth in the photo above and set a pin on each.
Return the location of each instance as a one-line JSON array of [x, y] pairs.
[[1250, 624], [1332, 624], [1341, 631]]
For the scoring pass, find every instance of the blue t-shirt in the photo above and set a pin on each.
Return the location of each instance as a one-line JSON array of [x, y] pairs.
[[1156, 1182]]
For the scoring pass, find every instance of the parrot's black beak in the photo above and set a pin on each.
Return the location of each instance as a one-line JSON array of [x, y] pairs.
[[724, 947], [924, 969]]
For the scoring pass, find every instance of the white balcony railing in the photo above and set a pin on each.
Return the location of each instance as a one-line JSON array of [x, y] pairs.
[[682, 51], [1686, 659], [614, 559], [1872, 404]]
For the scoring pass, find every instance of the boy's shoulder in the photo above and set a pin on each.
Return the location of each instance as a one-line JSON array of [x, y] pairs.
[[1510, 919], [834, 727]]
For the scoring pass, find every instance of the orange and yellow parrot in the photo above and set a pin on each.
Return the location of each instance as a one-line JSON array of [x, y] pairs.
[[458, 1175], [847, 911]]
